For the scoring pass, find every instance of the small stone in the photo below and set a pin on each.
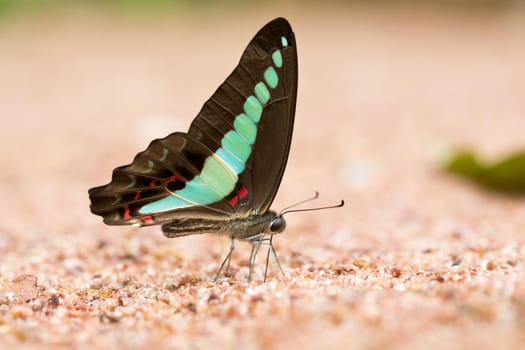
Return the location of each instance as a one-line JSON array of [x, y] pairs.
[[37, 305], [343, 270], [53, 301], [22, 288], [440, 278], [360, 263], [213, 298], [107, 318], [490, 265], [396, 271], [186, 280], [191, 307]]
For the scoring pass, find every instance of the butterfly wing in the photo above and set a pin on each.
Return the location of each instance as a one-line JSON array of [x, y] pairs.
[[231, 161], [263, 87]]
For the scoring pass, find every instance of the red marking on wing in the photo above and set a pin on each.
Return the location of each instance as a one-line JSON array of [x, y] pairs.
[[173, 178], [137, 195], [148, 220], [234, 200], [126, 212], [243, 192], [153, 183]]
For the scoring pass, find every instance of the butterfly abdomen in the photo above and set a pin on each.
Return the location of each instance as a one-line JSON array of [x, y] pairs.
[[179, 228]]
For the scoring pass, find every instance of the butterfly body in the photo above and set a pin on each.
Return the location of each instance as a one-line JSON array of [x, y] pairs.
[[223, 174], [250, 229]]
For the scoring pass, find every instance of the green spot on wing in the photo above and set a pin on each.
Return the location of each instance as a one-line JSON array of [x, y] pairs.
[[284, 41], [270, 76], [218, 177], [164, 154], [228, 158], [164, 204], [199, 192], [150, 166], [253, 108], [262, 92], [246, 128], [234, 143], [133, 181], [277, 59]]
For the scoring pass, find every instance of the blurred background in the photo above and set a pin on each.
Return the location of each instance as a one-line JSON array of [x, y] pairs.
[[384, 87]]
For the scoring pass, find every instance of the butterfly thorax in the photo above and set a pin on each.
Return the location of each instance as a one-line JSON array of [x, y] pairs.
[[248, 228]]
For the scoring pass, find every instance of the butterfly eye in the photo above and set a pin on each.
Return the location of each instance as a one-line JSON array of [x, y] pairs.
[[278, 225]]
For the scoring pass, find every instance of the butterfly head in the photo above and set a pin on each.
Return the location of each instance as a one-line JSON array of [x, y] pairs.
[[277, 225]]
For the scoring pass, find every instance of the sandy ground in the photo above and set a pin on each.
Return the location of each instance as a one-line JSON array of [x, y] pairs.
[[416, 259]]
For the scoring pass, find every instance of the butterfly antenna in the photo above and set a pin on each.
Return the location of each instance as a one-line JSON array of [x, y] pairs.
[[313, 209], [299, 203], [285, 211]]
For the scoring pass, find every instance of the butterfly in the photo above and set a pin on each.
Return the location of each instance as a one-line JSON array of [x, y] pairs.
[[223, 174]]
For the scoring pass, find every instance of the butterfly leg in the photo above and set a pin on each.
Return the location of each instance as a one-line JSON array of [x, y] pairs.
[[271, 250], [276, 258], [256, 245], [267, 263], [225, 261]]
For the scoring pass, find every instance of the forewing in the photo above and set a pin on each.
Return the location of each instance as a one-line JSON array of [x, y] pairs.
[[263, 87]]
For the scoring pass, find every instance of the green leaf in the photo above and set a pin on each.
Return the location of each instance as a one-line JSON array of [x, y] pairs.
[[506, 175]]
